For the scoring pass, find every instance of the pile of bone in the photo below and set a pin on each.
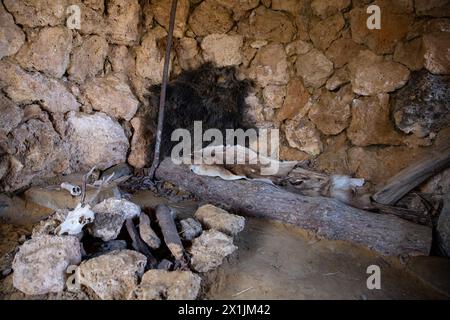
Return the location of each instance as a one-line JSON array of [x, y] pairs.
[[114, 250]]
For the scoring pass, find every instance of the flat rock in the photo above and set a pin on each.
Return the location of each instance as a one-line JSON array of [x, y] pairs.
[[297, 96], [435, 45], [270, 66], [110, 215], [111, 95], [411, 54], [122, 21], [342, 51], [325, 8], [167, 285], [112, 276], [209, 250], [41, 263], [216, 218], [304, 136], [210, 17], [37, 13], [224, 50], [314, 67], [326, 31], [109, 147], [11, 37], [274, 96]]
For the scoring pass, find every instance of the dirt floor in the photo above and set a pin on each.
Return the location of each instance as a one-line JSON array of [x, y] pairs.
[[279, 261]]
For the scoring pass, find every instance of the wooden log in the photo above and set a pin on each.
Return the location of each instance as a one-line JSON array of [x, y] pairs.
[[169, 231], [139, 245], [406, 180], [386, 234]]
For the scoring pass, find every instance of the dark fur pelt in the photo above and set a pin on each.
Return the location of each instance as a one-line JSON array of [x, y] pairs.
[[208, 94]]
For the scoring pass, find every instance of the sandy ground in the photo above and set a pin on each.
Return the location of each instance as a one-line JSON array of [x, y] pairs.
[[279, 261]]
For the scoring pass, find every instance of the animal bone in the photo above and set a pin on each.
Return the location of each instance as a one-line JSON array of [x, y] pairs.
[[73, 189], [76, 220]]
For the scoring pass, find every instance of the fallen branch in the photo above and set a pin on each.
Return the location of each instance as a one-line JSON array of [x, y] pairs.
[[386, 234], [139, 245], [169, 231]]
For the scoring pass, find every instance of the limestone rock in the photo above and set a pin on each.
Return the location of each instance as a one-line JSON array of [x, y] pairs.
[[216, 218], [270, 66], [41, 263], [210, 17], [112, 276], [371, 123], [274, 96], [190, 229], [170, 285], [371, 75], [331, 112], [93, 22], [123, 20], [342, 51], [239, 8], [188, 54], [443, 228], [121, 59], [265, 24], [161, 13], [143, 136], [37, 13], [149, 57], [88, 59], [326, 31], [314, 67], [254, 114], [296, 98], [112, 96], [326, 8], [110, 215], [146, 232], [334, 159], [434, 8], [437, 52], [338, 79], [23, 87], [11, 36], [109, 147], [303, 135], [209, 250], [48, 52], [411, 54], [10, 115], [422, 106], [224, 50], [395, 27], [298, 47]]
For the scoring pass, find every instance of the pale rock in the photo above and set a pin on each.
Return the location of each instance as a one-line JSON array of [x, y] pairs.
[[190, 229], [121, 59], [112, 96], [10, 115], [422, 107], [161, 12], [167, 285], [123, 21], [326, 31], [411, 54], [371, 123], [110, 215], [343, 51], [297, 96], [258, 44], [37, 13], [23, 87], [270, 66], [49, 51], [146, 232], [298, 47], [437, 52], [224, 50], [149, 57], [292, 6], [209, 250], [270, 25], [332, 111], [216, 218], [143, 135], [93, 21], [239, 8], [254, 114], [41, 263], [210, 17], [188, 54], [326, 8], [112, 276], [11, 36], [314, 67], [338, 79], [303, 135], [274, 96], [109, 147], [88, 59]]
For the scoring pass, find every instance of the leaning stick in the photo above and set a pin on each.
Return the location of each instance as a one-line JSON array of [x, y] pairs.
[[169, 231], [162, 98], [139, 245]]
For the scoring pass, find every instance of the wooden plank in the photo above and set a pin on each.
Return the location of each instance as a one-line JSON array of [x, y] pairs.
[[329, 218]]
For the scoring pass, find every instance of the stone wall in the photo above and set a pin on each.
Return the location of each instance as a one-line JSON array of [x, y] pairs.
[[356, 101]]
